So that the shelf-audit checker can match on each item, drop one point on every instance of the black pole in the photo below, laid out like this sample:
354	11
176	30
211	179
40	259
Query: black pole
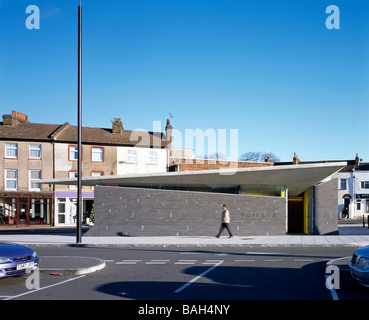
79	188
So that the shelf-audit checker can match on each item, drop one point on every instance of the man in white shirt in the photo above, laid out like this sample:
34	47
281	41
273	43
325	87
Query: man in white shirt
226	219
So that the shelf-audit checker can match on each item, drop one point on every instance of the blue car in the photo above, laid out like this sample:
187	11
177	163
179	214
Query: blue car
16	259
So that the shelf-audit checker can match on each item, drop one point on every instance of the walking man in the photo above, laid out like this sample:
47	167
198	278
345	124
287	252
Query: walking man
226	219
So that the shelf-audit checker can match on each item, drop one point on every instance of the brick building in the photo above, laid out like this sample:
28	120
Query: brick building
33	151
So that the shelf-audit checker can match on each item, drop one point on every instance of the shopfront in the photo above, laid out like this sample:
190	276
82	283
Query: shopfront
66	207
26	208
362	204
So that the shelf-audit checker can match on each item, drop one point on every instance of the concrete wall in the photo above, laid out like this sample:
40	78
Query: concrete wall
151	212
326	221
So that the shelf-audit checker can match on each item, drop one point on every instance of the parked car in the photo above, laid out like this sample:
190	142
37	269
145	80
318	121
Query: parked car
16	259
359	265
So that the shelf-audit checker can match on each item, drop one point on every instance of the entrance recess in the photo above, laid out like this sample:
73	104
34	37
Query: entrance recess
296	215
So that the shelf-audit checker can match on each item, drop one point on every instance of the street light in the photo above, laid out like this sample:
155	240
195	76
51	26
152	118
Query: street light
79	134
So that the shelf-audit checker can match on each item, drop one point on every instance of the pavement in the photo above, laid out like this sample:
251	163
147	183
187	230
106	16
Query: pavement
351	234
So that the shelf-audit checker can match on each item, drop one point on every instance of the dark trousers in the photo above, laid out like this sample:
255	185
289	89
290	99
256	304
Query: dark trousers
222	226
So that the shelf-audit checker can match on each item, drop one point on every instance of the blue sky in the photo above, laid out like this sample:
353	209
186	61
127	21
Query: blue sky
270	69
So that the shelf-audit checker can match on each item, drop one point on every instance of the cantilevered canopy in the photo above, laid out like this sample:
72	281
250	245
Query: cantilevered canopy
297	178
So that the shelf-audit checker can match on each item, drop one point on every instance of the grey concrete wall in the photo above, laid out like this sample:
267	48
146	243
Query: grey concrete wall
326	219
151	212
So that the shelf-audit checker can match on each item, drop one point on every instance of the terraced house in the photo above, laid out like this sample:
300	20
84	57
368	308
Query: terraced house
32	151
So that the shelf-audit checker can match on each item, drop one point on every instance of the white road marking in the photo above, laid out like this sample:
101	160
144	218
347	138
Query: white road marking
244	260
273	260
199	276
303	260
36	290
157	262
185	262
128	261
190	252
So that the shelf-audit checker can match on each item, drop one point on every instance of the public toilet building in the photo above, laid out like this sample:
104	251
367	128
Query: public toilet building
268	200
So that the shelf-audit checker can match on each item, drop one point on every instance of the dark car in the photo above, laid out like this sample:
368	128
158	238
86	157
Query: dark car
16	259
359	265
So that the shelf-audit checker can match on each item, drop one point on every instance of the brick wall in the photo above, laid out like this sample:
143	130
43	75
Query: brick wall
151	212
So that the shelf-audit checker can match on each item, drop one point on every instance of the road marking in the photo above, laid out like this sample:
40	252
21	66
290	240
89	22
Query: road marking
185	262
36	290
330	262
157	262
199	276
128	261
244	260
304	260
273	260
190	252
333	290
212	261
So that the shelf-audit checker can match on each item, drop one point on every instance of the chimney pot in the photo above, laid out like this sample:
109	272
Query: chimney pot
118	126
296	159
357	160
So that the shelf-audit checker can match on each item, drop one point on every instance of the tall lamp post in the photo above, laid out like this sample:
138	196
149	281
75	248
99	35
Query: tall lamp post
79	138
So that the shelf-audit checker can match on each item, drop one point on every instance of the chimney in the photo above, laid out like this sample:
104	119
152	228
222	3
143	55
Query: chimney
296	159
357	160
267	160
14	118
118	126
168	131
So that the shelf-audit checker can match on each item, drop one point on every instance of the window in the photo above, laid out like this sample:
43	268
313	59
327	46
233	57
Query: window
73	174
97	174
73	153
97	154
11	179
132	156
11	150
365	184
343	185
358	205
35	151
152	155
34	175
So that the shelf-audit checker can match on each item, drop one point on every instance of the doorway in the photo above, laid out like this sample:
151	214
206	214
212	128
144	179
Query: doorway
23	212
296	215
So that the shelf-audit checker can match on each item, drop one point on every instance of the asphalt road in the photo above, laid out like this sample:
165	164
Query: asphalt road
190	274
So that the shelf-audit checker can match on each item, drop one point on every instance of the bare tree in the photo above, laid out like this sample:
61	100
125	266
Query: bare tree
259	156
216	156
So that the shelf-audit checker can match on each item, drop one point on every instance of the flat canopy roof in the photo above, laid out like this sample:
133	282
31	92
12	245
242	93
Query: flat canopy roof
297	178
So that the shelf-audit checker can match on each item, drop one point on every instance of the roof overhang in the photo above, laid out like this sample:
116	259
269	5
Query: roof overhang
297	178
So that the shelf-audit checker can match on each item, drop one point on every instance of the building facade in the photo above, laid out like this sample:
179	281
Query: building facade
353	190
33	151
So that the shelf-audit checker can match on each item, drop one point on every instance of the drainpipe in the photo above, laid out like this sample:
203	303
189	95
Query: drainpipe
353	193
286	196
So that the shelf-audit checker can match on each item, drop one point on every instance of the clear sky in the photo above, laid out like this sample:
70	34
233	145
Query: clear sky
270	69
